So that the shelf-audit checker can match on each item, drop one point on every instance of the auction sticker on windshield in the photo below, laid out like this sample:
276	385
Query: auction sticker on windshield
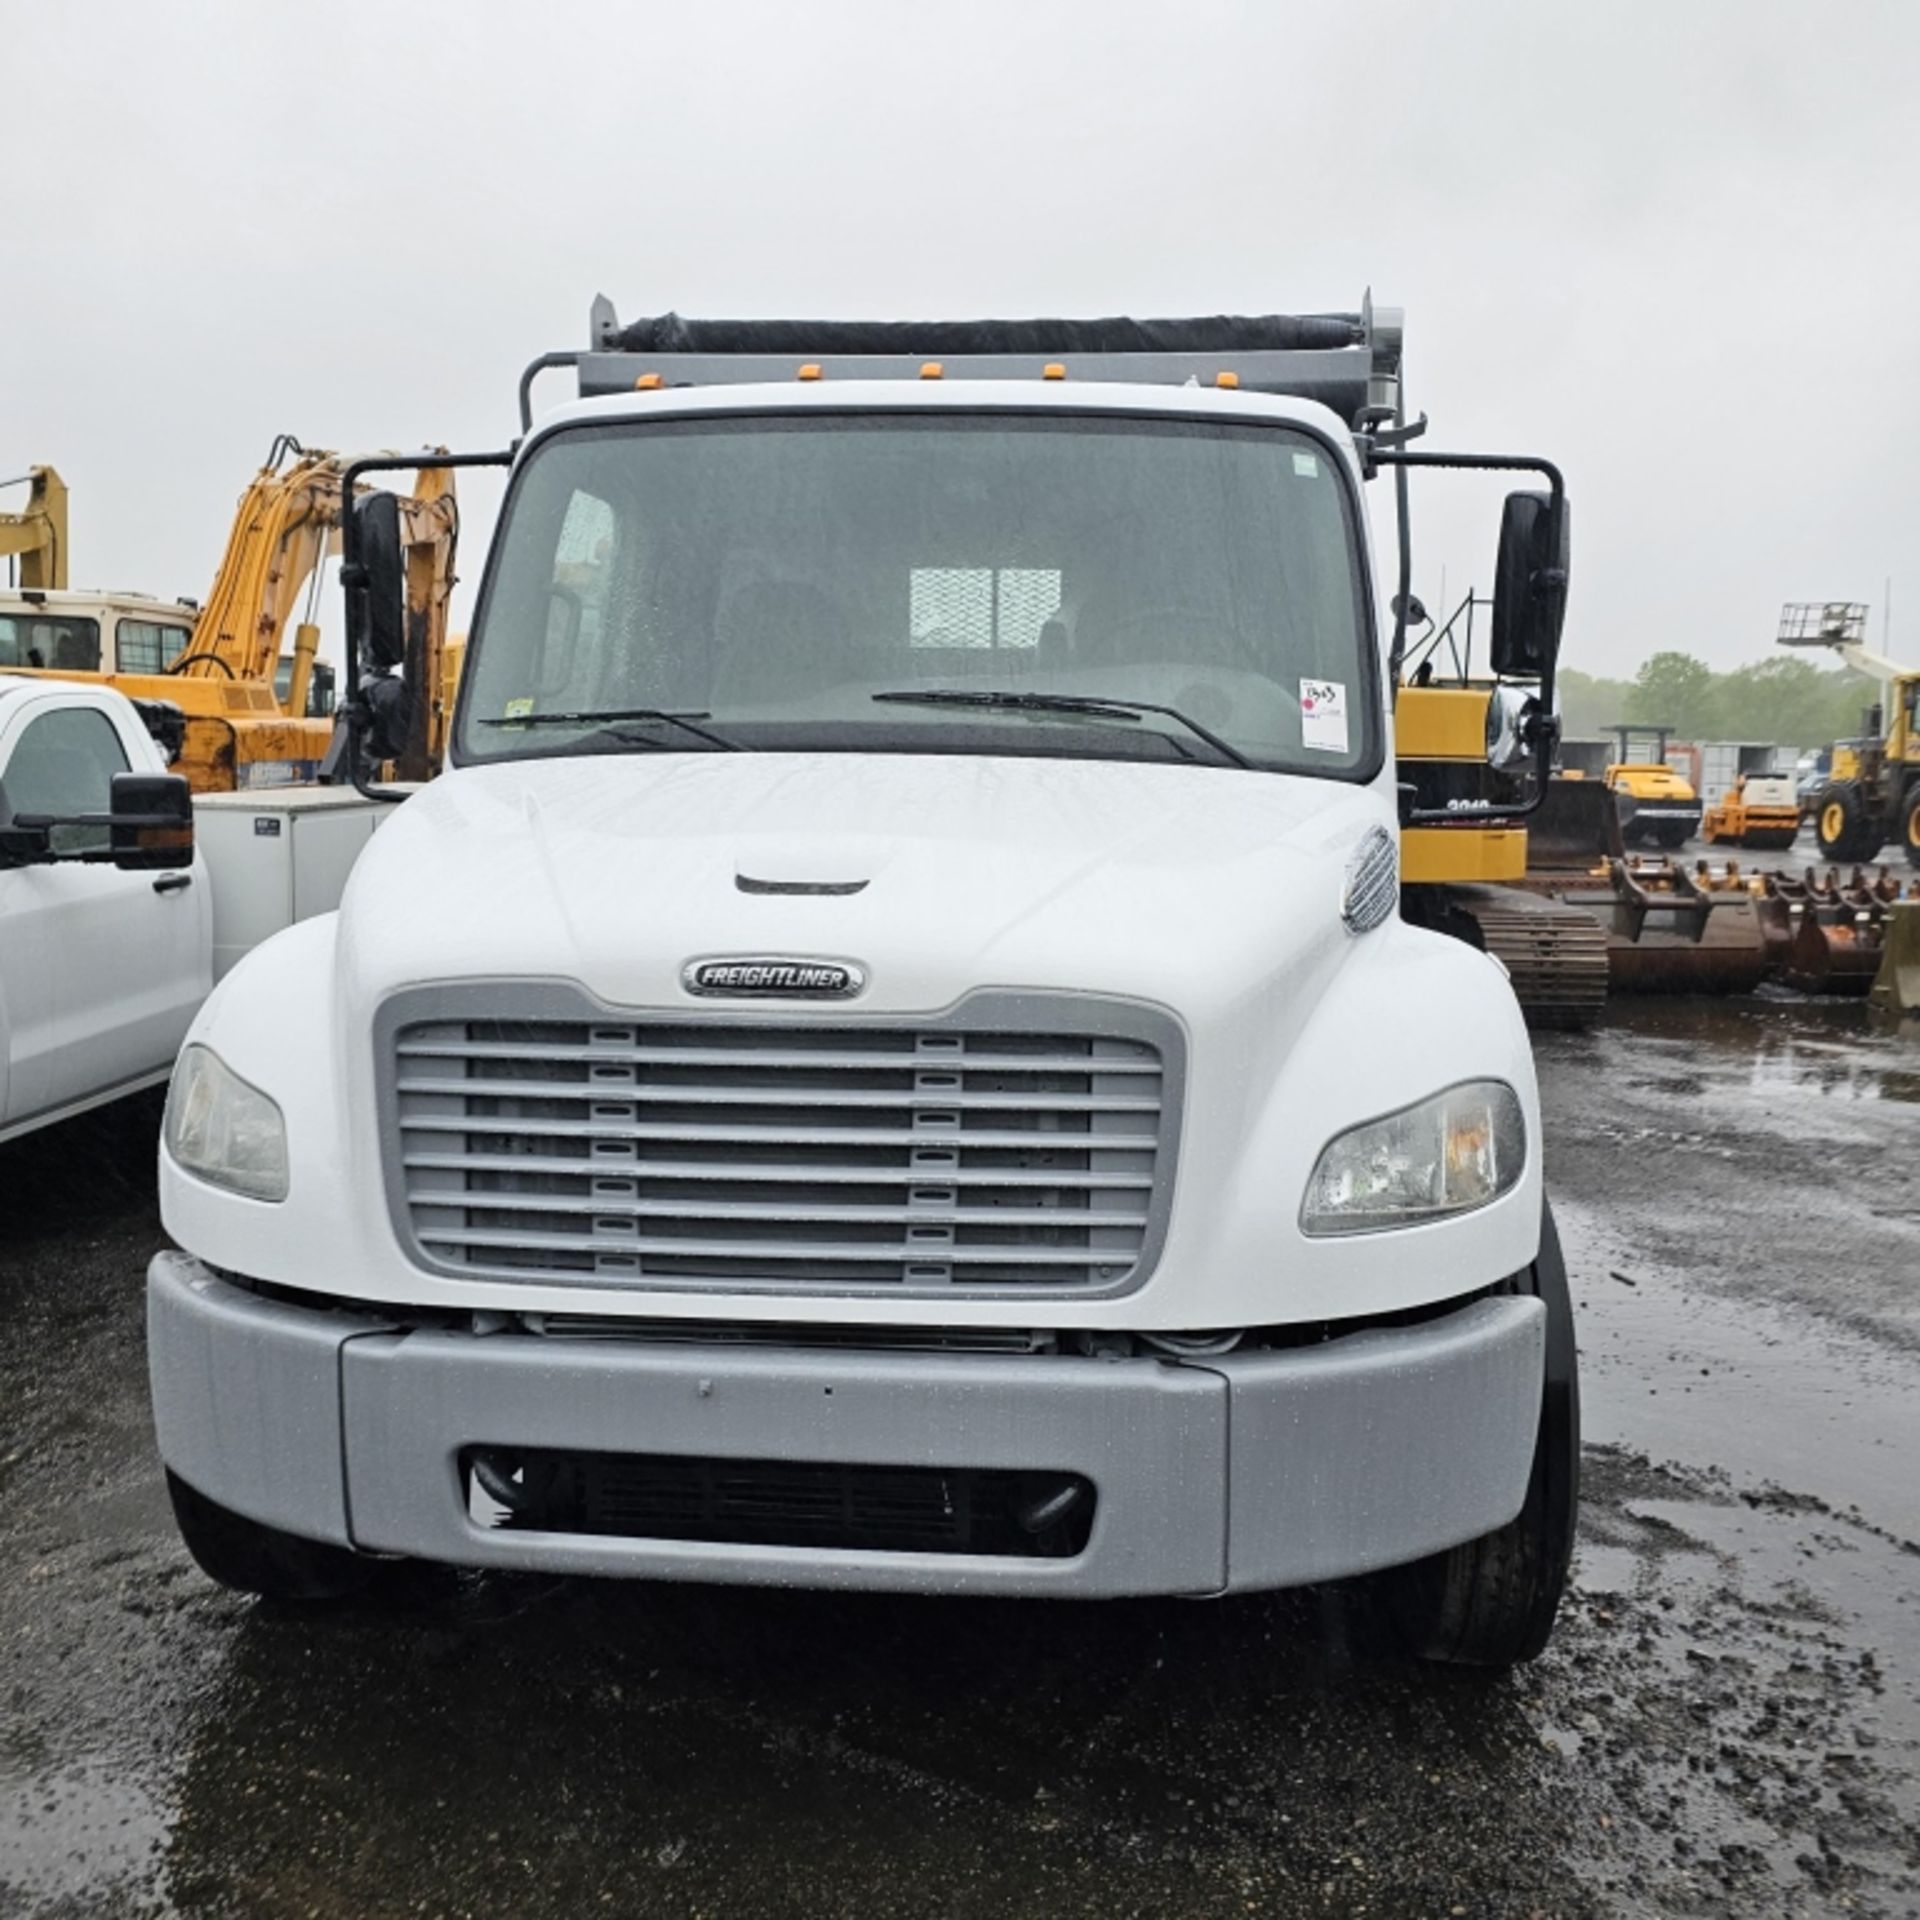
1323	715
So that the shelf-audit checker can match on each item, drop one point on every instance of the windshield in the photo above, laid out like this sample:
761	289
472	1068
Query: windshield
774	578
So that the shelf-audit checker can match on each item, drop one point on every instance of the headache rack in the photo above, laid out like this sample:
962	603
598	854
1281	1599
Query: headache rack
1348	362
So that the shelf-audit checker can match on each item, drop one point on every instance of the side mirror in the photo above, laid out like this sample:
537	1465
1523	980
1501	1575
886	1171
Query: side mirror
151	825
321	691
1511	713
1529	585
376	584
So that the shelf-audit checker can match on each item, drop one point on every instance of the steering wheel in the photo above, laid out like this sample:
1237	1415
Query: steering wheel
1171	616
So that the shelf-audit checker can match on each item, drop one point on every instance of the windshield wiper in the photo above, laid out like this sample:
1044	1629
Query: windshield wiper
684	721
1099	705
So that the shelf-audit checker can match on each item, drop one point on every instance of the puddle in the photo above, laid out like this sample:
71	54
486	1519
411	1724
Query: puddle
1768	1045
1679	1374
84	1833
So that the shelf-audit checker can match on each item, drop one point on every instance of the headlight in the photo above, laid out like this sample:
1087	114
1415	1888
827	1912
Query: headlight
1447	1155
228	1133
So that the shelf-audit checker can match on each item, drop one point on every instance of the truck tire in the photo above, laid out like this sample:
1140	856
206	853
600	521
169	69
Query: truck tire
1845	823
253	1558
1910	824
1671	834
1491	1602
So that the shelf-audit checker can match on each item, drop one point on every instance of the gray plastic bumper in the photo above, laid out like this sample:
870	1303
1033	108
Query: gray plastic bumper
1263	1469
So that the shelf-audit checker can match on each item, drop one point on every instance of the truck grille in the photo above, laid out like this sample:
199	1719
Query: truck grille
790	1158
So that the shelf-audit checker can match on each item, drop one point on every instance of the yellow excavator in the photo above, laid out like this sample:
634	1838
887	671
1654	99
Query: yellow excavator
1480	815
239	671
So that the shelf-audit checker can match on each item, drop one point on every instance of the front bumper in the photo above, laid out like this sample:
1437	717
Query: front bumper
1251	1470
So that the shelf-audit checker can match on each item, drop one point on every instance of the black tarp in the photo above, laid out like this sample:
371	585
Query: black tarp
1211	333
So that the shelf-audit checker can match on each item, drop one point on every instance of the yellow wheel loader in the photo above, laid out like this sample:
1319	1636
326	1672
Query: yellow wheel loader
1872	791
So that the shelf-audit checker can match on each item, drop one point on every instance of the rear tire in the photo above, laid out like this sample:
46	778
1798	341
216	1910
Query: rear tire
1491	1602
1673	835
1910	824
253	1558
1845	824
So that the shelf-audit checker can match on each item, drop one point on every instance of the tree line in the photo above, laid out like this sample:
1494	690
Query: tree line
1787	700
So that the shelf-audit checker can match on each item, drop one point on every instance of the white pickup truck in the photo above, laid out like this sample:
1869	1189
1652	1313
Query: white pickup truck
101	969
891	1058
104	965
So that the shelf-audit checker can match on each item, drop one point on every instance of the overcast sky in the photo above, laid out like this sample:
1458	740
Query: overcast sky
1674	246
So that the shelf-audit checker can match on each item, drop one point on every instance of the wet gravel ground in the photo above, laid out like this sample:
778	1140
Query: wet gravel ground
1727	1723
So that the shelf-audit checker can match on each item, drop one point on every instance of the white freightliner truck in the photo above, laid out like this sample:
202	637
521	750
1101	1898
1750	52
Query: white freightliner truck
892	1059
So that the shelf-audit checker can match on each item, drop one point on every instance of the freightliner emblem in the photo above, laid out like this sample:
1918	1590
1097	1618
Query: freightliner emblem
759	977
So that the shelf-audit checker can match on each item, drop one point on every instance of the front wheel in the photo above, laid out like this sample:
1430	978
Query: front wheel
253	1558
1845	825
1491	1602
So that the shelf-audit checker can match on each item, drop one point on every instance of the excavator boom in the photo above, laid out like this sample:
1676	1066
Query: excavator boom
36	538
240	729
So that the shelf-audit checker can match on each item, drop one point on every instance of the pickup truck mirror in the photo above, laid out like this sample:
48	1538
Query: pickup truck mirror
376	585
151	824
149	827
1530	585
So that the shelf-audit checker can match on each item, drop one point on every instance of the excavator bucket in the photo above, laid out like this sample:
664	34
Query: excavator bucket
1575	829
1896	987
1836	931
1672	931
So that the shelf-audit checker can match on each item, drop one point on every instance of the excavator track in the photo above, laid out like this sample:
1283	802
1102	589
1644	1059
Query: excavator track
1556	956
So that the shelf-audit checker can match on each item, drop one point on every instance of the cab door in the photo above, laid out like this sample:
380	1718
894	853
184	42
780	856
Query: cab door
104	969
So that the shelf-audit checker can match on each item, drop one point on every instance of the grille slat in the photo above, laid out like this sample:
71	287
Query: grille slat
898	1059
748	1211
602	1128
747	1252
628	1152
639	1091
771	1172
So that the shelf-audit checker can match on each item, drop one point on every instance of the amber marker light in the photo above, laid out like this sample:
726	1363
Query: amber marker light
1226	379
648	381
931	370
811	371
1054	370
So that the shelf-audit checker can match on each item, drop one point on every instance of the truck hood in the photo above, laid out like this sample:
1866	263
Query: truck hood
1178	884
